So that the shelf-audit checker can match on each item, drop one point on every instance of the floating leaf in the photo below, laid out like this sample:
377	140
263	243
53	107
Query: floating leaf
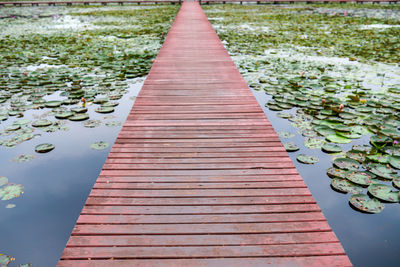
63	114
91	123
364	203
346	164
113	123
103	109
41	123
23	158
53	104
314	143
306	159
345	186
5	260
396	182
334	138
11	191
99	145
286	135
331	148
79	117
361	178
395	161
384	192
336	173
382	171
44	148
291	147
79	109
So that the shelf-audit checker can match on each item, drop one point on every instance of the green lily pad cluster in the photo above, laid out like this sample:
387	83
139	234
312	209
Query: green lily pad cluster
8	190
63	75
5	260
333	93
99	145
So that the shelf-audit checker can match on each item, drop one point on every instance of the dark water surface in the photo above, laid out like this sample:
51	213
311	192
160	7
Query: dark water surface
56	185
368	239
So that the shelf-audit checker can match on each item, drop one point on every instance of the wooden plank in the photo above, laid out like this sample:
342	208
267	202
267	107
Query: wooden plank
315	261
299	250
197	201
231	185
227	209
205	240
220	228
198	176
196	218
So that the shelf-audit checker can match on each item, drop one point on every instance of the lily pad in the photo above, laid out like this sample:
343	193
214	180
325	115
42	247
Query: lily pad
363	203
334	138
356	155
336	173
396	182
79	117
346	186
91	123
306	159
392	150
286	135
380	158
361	178
5	260
382	171
395	161
380	139
314	143
44	148
53	104
11	191
63	115
23	158
331	148
41	123
79	109
100	145
346	164
291	147
113	123
104	109
384	192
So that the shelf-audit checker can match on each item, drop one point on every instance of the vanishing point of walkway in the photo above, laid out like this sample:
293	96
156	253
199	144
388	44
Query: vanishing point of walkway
197	176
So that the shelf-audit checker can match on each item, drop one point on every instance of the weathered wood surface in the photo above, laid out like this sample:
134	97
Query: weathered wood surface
198	176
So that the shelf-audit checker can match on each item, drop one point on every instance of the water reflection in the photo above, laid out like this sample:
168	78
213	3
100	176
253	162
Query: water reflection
56	185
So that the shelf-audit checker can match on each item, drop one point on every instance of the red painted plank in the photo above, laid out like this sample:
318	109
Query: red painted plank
197	201
299	250
220	228
198	176
205	240
315	261
195	218
199	179
169	186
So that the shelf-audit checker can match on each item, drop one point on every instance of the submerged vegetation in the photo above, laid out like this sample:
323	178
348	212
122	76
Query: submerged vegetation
333	72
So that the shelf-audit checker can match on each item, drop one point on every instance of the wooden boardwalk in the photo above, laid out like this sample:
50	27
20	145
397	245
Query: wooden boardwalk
197	176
